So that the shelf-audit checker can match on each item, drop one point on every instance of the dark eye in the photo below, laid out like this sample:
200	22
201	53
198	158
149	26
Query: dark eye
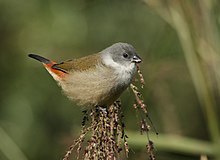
125	55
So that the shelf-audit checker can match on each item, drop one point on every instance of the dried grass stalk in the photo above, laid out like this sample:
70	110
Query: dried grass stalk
106	130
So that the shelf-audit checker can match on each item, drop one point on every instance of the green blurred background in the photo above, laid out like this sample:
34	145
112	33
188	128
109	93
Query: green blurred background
177	40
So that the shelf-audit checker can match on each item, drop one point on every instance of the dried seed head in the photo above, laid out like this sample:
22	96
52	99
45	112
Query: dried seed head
107	130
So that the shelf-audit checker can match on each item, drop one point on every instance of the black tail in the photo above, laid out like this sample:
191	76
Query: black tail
39	58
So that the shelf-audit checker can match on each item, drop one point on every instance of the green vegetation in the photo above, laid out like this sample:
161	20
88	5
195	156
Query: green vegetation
177	40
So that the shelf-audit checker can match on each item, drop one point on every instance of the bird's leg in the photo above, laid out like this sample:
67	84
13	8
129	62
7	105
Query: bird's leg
103	109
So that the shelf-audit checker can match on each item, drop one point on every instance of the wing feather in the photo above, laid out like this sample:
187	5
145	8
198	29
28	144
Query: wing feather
79	64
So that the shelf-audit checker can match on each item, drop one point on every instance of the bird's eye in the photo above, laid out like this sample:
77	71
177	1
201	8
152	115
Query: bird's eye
125	55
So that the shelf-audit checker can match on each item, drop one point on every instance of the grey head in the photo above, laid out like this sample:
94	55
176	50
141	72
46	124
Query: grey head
122	53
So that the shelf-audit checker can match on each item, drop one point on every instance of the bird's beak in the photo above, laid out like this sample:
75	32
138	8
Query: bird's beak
136	59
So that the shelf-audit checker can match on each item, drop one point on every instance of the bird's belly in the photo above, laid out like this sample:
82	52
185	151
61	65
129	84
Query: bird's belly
101	87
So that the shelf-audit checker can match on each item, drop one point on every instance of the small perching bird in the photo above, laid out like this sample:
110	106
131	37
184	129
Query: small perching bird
97	79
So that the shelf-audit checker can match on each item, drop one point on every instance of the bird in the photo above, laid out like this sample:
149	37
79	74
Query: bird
97	79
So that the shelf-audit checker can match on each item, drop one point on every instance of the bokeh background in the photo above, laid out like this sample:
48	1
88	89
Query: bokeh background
177	40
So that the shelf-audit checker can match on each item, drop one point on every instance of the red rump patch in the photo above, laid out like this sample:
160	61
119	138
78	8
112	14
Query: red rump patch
57	72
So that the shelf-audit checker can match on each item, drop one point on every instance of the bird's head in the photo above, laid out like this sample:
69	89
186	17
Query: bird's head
122	54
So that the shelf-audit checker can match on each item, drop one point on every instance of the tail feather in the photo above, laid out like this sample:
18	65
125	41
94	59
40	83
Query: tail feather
39	58
48	64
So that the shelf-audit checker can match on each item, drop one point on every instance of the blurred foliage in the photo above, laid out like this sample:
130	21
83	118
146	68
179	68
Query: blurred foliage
179	44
